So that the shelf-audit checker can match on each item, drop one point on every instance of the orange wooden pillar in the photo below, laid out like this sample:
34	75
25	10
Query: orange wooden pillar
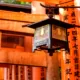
36	73
25	72
53	67
65	56
73	70
37	9
73	43
13	72
9	72
77	3
77	65
5	74
28	72
28	44
74	52
65	65
41	73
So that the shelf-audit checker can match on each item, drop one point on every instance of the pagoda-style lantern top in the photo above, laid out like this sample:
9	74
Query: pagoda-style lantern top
50	34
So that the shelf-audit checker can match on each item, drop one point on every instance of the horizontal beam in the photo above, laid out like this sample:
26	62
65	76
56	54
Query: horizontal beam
15	7
22	58
21	16
15	20
16	33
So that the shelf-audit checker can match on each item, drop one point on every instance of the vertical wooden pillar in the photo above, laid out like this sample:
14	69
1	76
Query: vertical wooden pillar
74	53
28	72
39	73
21	73
73	18
6	73
37	9
10	72
36	73
43	73
13	72
77	65
29	76
28	43
77	12
73	44
25	72
65	65
53	67
16	70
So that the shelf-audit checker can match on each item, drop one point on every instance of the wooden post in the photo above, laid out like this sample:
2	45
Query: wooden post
25	72
36	73
53	67
13	72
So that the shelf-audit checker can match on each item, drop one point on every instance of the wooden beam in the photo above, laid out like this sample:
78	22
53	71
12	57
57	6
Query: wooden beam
15	20
22	58
15	7
21	16
16	33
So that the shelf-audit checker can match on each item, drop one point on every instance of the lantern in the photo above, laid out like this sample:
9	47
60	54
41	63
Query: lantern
50	34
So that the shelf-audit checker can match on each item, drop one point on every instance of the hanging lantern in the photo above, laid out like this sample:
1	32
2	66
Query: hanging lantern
50	34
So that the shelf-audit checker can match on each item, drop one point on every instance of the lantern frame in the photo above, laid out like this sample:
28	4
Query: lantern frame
52	21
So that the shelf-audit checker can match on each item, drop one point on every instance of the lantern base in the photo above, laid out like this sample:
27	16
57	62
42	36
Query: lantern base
52	50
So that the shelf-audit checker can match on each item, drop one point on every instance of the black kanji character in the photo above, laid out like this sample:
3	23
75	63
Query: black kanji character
76	60
74	38
68	61
76	73
73	21
75	46
76	52
74	32
73	14
76	66
68	71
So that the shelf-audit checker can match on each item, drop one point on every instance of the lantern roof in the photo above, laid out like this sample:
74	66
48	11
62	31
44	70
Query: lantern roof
50	21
